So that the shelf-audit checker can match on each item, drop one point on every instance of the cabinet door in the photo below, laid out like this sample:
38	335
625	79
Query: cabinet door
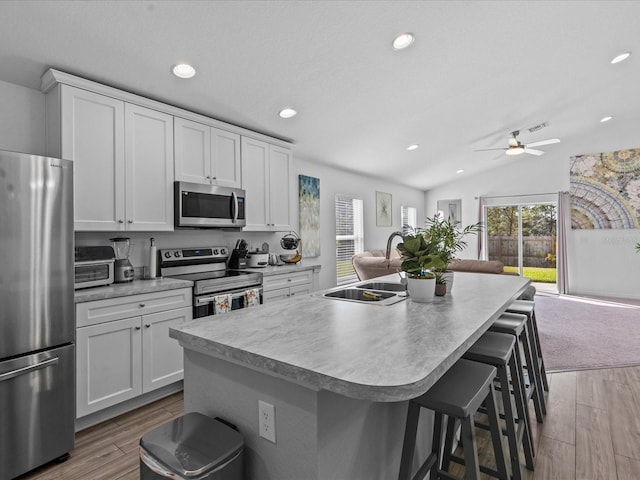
255	180
109	362
279	188
225	158
162	357
192	151
149	169
92	130
275	295
301	289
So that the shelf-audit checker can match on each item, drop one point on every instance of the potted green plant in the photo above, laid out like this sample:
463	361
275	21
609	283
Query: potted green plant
419	258
441	283
449	238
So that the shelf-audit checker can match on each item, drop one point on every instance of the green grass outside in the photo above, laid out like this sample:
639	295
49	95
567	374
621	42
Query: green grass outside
536	274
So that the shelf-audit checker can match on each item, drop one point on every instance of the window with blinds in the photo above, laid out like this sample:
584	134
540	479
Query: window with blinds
349	235
409	216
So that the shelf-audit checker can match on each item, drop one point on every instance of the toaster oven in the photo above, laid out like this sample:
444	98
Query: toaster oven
93	266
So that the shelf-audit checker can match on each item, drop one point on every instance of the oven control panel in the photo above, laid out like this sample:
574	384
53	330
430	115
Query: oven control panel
209	253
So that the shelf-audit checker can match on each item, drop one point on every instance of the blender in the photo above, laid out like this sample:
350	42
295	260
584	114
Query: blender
123	270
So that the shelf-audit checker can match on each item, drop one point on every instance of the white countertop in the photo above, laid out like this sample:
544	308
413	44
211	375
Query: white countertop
132	288
364	351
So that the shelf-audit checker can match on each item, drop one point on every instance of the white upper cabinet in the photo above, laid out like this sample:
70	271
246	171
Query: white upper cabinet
205	154
266	171
148	169
92	130
123	161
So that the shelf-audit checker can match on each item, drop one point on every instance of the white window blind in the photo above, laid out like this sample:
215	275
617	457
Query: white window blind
409	216
349	235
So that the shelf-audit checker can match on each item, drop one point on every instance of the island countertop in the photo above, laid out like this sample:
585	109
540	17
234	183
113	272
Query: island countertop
363	351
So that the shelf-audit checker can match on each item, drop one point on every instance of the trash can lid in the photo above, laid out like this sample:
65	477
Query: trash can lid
192	444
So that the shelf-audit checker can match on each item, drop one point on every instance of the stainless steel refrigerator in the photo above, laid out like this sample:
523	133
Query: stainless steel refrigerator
37	326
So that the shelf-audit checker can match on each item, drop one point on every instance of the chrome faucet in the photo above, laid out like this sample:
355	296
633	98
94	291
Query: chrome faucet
394	234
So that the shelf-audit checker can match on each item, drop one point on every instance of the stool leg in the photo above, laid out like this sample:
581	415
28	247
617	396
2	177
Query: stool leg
436	443
471	465
510	422
523	413
496	434
534	375
409	445
448	444
540	364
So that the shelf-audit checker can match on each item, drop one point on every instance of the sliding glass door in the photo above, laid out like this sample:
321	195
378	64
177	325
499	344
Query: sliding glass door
523	237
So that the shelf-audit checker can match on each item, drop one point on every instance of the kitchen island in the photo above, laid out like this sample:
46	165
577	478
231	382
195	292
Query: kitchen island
339	373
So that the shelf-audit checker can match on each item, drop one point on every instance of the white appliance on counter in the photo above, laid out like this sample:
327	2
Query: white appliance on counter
213	283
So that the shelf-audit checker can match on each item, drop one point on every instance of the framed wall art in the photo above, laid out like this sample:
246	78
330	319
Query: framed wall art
383	209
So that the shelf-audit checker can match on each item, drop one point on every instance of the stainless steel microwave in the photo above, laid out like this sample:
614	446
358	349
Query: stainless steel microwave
208	206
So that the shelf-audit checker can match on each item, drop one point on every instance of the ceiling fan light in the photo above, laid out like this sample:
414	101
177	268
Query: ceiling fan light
514	150
620	58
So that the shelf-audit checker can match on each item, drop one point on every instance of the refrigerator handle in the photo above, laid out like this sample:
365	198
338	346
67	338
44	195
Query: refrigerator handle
27	369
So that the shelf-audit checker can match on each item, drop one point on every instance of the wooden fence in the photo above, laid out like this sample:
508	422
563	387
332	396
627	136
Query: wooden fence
537	251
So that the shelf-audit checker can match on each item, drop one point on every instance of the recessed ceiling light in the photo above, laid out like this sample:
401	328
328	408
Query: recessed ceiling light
605	119
621	57
184	70
415	146
460	171
287	113
403	41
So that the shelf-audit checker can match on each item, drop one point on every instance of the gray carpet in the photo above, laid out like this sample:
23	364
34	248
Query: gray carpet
578	333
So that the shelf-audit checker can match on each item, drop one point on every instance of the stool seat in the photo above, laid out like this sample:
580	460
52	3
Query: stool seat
492	348
521	306
509	323
461	391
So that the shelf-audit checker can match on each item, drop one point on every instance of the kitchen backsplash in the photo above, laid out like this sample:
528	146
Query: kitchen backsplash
184	238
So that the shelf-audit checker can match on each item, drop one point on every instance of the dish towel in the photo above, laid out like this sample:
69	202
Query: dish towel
222	303
252	298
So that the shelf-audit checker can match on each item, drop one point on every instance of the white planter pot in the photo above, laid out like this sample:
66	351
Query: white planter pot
421	289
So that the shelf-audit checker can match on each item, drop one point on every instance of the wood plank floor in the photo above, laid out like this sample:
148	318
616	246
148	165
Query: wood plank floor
592	431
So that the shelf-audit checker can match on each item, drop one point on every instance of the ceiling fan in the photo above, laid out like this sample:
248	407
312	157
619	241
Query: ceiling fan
516	147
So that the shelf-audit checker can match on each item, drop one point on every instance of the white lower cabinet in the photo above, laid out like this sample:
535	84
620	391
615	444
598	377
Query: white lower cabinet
286	285
120	358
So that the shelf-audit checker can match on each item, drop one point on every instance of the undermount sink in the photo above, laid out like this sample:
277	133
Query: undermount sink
361	295
386	286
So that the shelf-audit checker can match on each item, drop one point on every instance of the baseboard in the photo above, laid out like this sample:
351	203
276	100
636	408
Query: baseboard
124	407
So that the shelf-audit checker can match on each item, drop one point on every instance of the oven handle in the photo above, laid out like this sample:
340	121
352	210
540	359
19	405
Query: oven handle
203	300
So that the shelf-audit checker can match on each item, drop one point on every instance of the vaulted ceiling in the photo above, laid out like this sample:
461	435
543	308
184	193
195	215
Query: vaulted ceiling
476	71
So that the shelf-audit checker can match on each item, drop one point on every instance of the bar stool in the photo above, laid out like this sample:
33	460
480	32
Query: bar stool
458	394
497	349
517	325
527	307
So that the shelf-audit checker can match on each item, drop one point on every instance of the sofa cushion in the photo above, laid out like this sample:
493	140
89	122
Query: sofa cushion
374	264
477	266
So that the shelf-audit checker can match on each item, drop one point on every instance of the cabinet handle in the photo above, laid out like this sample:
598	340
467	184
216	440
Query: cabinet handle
288	279
120	221
142	305
138	328
214	178
147	325
129	221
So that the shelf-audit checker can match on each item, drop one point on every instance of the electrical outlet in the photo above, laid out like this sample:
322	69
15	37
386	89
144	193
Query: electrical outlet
267	421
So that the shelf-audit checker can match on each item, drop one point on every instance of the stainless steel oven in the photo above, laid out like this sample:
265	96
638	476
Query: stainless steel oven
216	289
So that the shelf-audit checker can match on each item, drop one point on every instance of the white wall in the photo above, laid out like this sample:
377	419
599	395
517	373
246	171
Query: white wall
601	262
21	119
332	182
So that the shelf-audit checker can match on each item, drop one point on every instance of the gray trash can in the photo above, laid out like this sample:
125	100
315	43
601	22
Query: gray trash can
194	447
